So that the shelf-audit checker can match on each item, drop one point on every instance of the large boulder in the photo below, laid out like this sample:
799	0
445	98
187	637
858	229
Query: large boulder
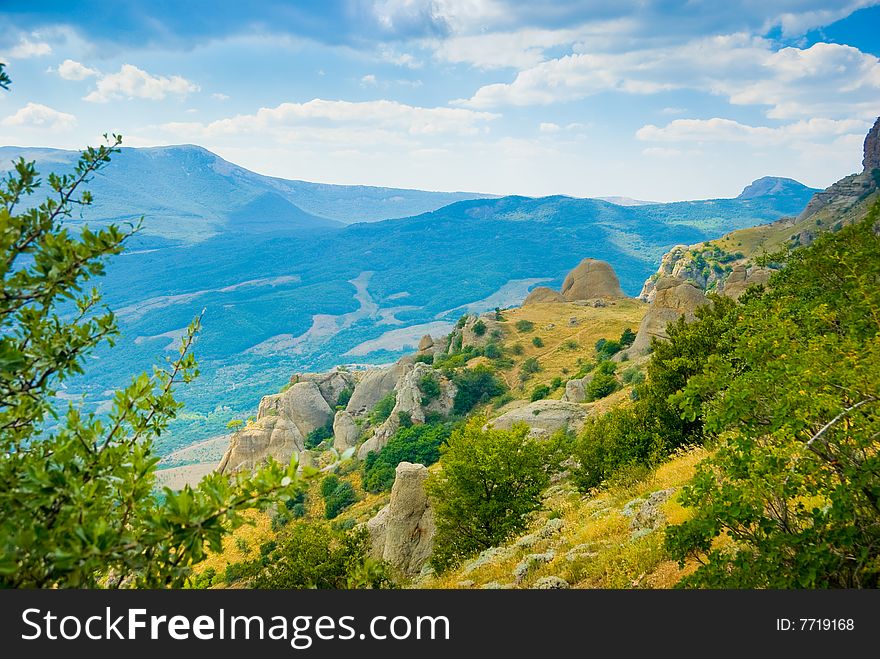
591	279
544	417
576	390
411	400
345	431
542	294
331	384
306	407
402	533
741	277
373	387
269	437
673	298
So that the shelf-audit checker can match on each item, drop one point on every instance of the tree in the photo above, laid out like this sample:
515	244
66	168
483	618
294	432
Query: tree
417	444
76	489
793	490
488	482
474	386
312	555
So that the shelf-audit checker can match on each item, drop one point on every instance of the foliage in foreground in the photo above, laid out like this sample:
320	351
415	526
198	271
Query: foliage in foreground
312	555
791	498
489	481
76	490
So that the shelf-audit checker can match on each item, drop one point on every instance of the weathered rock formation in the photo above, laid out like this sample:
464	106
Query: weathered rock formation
543	294
576	390
345	431
673	297
544	417
373	387
411	400
741	277
269	437
871	159
591	279
426	343
402	533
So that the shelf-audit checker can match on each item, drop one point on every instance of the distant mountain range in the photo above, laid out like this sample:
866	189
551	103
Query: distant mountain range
290	283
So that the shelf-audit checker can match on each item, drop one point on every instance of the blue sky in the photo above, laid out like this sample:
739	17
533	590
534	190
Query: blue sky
657	100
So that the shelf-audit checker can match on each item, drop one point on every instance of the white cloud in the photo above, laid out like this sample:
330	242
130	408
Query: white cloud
386	54
72	70
217	96
662	152
828	80
368	80
27	49
727	130
549	127
520	49
35	115
131	82
341	122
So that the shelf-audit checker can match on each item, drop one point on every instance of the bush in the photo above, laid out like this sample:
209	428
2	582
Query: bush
524	325
318	435
517	349
602	384
418	444
633	376
540	391
338	495
426	358
538	342
492	351
311	555
528	368
383	409
344	397
570	344
475	386
430	388
556	383
607	348
490	481
479	328
627	338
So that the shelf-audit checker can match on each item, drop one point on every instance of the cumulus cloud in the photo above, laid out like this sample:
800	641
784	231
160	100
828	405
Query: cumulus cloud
341	122
549	127
823	80
218	96
727	130
131	82
72	70
26	49
35	115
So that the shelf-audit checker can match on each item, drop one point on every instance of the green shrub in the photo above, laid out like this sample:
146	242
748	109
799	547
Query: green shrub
383	409
633	376
430	388
475	386
490	481
517	349
524	325
607	348
602	384
419	444
344	397
556	383
318	435
538	342
496	334
479	328
540	391
570	344
627	338
337	494
492	351
312	555
426	358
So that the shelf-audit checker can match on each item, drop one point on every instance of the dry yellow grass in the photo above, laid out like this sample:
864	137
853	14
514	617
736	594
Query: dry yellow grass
596	526
564	343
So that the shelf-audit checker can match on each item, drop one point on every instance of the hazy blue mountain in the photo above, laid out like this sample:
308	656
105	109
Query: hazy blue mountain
188	193
287	290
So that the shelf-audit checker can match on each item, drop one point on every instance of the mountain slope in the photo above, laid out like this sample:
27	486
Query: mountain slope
187	192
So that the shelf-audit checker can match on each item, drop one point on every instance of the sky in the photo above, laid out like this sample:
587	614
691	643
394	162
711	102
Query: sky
652	99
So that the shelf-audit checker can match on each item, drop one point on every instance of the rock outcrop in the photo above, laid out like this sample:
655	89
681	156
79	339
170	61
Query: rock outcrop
673	297
576	390
269	437
871	159
331	384
412	401
591	279
345	431
426	343
544	417
741	277
402	533
373	387
542	294
306	407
